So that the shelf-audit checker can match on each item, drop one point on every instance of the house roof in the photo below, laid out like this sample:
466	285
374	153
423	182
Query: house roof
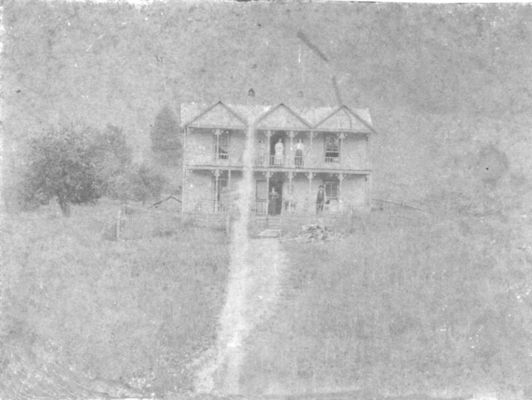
219	114
279	116
343	118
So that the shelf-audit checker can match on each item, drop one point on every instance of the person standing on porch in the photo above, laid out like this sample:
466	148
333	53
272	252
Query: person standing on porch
279	152
299	153
320	200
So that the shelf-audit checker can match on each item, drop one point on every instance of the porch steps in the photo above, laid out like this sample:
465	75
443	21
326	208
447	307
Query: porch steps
272	227
270	233
274	223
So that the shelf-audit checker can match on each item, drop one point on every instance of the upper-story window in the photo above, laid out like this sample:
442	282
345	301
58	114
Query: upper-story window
221	145
332	149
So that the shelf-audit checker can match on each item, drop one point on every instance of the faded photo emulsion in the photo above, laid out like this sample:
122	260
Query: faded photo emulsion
266	200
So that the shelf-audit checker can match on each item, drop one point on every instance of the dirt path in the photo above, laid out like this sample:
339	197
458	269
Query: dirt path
254	286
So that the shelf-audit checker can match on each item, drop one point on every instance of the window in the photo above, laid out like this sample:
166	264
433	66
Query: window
221	146
332	149
331	190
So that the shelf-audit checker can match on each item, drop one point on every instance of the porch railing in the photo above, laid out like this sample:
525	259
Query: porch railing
278	161
261	207
332	160
271	161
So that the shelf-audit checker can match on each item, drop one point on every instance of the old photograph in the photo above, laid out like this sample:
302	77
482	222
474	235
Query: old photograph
265	200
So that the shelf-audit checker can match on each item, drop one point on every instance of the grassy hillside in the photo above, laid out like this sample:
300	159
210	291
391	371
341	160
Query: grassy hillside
77	307
402	305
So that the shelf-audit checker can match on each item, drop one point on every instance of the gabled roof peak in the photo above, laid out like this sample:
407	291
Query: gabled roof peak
279	116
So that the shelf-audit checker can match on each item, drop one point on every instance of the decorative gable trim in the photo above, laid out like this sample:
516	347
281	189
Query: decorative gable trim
348	111
303	123
241	120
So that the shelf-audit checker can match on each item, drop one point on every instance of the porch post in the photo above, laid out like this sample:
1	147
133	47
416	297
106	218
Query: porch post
340	180
341	145
229	192
268	174
291	135
217	133
216	180
311	135
290	190
310	176
268	147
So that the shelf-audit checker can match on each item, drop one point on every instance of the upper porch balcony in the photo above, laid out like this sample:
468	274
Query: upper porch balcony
322	138
274	162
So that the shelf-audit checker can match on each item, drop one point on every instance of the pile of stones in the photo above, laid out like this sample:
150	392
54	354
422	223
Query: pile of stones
315	233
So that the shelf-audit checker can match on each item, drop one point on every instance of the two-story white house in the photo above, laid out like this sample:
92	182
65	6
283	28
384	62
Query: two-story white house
295	151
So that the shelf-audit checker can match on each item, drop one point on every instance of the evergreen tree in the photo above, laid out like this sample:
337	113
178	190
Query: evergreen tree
165	140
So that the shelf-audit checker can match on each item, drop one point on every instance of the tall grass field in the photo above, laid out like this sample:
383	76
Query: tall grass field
393	305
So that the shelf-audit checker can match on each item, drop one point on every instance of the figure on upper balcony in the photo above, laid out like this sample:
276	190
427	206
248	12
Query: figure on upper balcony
279	152
298	160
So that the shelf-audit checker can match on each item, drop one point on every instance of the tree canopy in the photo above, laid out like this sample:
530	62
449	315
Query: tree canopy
165	140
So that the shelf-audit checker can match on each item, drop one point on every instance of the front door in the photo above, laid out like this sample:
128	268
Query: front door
275	197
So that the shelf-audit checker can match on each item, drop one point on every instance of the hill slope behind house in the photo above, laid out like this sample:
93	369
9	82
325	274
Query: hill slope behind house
434	77
78	309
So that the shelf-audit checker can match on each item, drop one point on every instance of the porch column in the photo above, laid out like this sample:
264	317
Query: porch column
340	180
268	147
290	190
229	204
216	181
310	175
291	135
311	135
217	133
341	138
268	174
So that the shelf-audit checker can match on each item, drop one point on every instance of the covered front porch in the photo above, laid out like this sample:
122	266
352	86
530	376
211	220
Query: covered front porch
296	193
283	192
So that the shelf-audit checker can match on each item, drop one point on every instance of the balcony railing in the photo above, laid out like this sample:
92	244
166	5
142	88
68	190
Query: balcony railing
272	161
259	207
278	161
332	160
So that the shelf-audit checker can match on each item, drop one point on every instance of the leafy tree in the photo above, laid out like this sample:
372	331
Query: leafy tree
74	165
61	165
165	141
112	155
139	183
146	184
